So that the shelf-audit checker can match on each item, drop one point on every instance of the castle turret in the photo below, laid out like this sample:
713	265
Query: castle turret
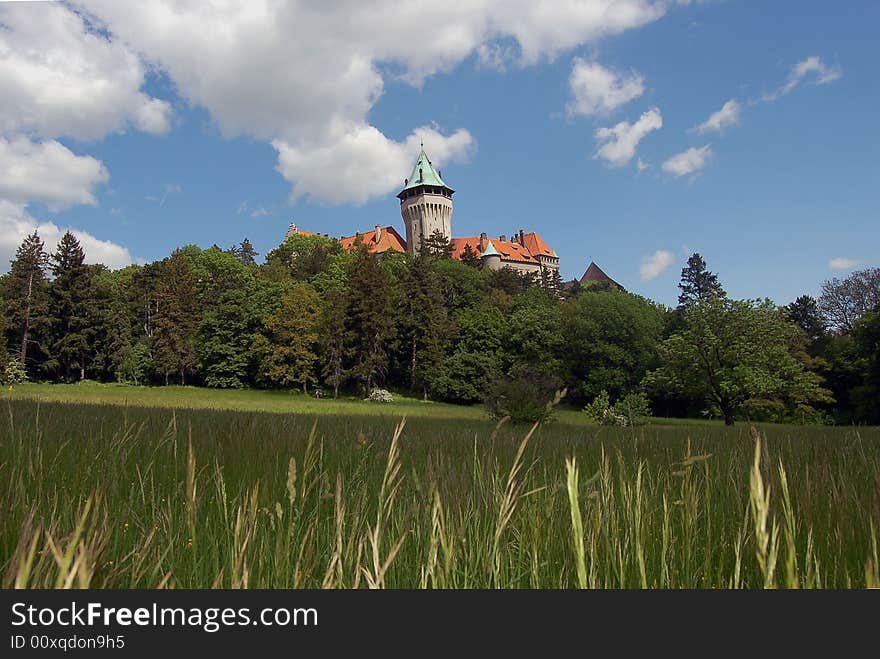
425	204
490	257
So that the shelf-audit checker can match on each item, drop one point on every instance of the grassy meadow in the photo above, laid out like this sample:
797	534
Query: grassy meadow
112	488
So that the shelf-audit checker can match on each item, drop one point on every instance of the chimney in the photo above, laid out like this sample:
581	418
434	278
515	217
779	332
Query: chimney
378	234
502	238
522	239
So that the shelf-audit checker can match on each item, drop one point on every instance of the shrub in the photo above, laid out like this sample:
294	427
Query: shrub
524	397
380	396
628	411
14	373
634	406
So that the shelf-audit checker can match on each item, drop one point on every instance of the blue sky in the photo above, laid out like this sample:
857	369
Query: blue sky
239	120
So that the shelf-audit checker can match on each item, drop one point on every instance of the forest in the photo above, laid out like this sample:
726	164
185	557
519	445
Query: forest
315	318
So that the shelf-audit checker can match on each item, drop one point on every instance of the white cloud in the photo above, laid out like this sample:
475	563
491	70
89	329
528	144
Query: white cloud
641	165
618	144
597	90
16	223
305	76
728	115
688	162
811	69
59	78
655	264
843	263
47	172
365	160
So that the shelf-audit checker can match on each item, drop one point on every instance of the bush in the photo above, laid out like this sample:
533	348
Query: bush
525	398
14	373
628	411
380	396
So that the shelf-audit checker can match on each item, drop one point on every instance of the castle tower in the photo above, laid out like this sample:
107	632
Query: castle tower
425	204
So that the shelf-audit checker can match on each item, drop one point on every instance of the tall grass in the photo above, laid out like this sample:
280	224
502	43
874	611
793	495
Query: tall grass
113	497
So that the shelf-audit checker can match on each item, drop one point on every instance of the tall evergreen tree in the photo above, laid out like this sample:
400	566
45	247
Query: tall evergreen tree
25	292
370	328
73	309
425	320
437	245
245	253
469	257
176	320
804	312
697	283
333	339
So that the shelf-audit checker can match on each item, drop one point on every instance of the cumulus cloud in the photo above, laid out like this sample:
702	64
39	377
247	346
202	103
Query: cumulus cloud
619	143
60	78
811	69
597	90
728	115
655	264
688	162
843	263
47	172
16	223
368	162
304	76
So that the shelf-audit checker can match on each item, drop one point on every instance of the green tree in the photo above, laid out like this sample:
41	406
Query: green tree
425	321
733	352
4	328
469	257
610	341
301	258
286	345
437	245
73	308
25	291
866	396
177	317
535	331
226	337
370	322
333	339
804	312
697	283
245	253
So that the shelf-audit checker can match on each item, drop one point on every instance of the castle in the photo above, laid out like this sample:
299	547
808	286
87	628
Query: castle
426	207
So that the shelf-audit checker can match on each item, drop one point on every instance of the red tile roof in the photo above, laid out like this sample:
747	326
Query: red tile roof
510	250
389	239
536	245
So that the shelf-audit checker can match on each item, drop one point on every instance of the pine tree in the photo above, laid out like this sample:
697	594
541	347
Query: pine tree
469	257
245	253
333	339
426	323
369	324
437	245
697	283
25	293
73	309
176	320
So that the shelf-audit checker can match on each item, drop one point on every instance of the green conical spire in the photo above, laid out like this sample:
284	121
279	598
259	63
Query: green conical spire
423	173
490	250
